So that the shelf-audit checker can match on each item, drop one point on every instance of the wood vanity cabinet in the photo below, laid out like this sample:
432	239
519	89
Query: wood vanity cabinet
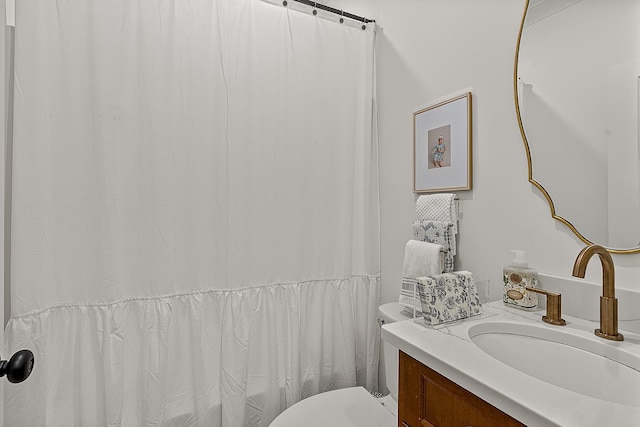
427	399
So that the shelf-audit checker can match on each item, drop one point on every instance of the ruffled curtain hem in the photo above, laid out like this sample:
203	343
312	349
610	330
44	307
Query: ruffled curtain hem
213	357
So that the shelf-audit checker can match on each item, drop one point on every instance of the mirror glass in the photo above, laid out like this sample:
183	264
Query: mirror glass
578	94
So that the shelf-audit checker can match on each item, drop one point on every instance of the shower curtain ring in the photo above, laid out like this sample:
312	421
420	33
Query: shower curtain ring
364	23
342	16
315	12
284	3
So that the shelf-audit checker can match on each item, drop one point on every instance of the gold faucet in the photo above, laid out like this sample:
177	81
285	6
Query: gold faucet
608	302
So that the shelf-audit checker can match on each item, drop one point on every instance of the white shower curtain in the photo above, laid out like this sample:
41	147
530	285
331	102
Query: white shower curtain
194	212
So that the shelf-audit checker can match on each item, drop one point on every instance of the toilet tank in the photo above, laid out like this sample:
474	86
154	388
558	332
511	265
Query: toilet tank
388	368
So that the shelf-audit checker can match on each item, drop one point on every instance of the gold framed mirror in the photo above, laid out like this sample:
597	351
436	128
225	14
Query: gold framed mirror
577	95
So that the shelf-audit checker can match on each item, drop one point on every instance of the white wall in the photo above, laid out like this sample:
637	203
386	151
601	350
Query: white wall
429	50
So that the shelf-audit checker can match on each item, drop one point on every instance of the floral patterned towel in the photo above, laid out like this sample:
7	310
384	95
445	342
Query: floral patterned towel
449	296
440	233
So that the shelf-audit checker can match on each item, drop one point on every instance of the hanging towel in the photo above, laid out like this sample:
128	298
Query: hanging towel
420	259
438	207
440	233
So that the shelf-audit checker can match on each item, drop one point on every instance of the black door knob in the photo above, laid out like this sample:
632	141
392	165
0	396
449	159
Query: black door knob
19	367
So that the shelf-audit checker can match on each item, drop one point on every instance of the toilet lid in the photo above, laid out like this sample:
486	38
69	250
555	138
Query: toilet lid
347	407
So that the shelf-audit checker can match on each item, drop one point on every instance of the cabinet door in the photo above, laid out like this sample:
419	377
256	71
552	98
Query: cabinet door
428	399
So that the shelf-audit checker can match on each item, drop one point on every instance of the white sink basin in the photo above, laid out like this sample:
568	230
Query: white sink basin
587	365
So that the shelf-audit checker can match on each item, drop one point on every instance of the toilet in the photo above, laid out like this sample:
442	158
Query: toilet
353	406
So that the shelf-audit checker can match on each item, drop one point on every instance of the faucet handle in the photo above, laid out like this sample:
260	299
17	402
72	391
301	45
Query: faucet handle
554	306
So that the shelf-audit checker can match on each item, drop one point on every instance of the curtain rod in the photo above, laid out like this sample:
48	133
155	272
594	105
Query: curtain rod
333	10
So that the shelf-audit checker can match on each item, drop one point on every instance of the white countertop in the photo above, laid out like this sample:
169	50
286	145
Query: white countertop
448	349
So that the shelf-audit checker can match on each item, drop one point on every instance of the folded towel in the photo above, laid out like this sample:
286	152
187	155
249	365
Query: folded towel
438	207
422	259
409	298
448	297
440	233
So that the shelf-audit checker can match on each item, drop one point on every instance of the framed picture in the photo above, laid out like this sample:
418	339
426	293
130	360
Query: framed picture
442	146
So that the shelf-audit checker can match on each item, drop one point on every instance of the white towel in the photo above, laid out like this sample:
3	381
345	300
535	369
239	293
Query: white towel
409	297
438	207
440	233
422	259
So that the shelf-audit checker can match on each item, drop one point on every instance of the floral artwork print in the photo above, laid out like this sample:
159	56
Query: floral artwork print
438	147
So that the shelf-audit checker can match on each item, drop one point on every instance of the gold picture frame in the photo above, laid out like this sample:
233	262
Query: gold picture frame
442	159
